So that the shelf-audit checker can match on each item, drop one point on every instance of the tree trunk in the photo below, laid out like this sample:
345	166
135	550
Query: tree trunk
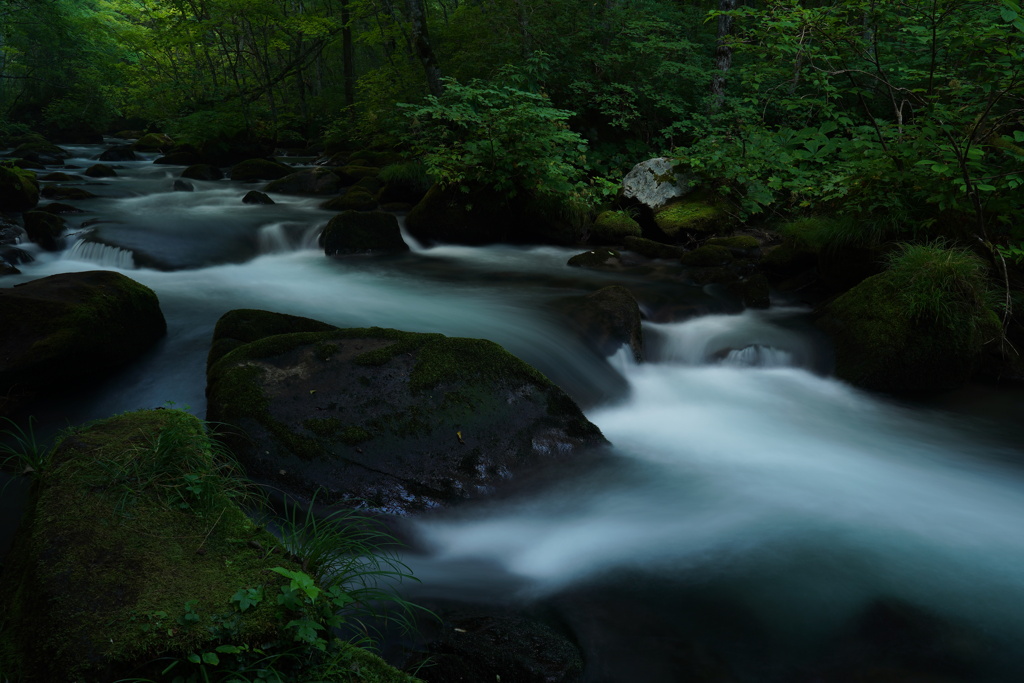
723	54
421	43
347	55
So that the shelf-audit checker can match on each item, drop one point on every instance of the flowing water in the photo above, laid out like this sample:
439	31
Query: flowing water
754	516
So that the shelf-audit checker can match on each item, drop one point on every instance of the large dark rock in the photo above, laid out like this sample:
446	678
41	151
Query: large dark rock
100	171
257	197
18	192
608	319
397	421
202	172
61	193
64	329
311	181
355	199
119	153
153	142
911	329
362	232
180	158
41	152
133	554
259	169
45	229
487	644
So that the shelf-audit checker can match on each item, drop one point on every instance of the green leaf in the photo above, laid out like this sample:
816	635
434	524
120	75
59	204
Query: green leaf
940	168
211	658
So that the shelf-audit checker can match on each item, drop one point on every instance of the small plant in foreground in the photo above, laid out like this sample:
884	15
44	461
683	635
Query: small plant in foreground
20	450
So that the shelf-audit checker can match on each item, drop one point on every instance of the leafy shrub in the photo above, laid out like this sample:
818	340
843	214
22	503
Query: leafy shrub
482	134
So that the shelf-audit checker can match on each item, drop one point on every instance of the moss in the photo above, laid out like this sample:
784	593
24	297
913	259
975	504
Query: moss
611	227
597	258
689	216
17	190
707	256
356	199
259	169
95	583
736	242
651	248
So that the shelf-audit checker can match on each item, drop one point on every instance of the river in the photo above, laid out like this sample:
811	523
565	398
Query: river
753	509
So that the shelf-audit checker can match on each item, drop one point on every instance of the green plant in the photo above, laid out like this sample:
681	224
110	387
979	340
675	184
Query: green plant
20	450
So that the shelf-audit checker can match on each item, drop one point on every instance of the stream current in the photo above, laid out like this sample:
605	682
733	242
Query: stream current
751	510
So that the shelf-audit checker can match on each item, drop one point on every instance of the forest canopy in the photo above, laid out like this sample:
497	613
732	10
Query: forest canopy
905	113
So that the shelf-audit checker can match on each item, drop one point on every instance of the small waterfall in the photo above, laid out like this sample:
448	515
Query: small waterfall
103	254
758	356
286	236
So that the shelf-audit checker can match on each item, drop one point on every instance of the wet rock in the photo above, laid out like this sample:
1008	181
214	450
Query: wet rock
59	177
707	256
652	248
44	229
488	644
180	185
608	319
41	152
59	192
355	199
600	259
66	329
181	158
8	268
312	181
153	142
256	197
119	153
398	421
363	232
350	175
18	191
259	169
100	171
59	208
202	172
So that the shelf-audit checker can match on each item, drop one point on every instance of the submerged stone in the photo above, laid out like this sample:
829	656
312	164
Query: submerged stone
396	421
363	232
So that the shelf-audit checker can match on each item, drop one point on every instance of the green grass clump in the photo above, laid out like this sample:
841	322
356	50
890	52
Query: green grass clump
411	173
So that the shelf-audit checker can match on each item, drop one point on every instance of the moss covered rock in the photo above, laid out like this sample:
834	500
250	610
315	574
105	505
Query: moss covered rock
707	256
600	259
41	152
259	169
18	191
202	172
256	197
100	171
153	142
399	421
690	217
310	181
742	244
355	199
920	326
61	193
350	175
612	227
652	248
65	329
115	545
45	229
608	319
119	153
363	232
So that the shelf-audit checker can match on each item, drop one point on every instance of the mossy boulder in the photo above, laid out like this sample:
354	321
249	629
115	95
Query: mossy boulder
45	229
114	546
259	169
350	175
153	142
363	232
202	172
59	176
41	152
753	291
612	227
355	199
18	191
746	245
66	329
310	181
652	248
119	153
398	421
599	259
690	217
707	256
62	193
182	158
256	197
919	326
100	171
608	319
